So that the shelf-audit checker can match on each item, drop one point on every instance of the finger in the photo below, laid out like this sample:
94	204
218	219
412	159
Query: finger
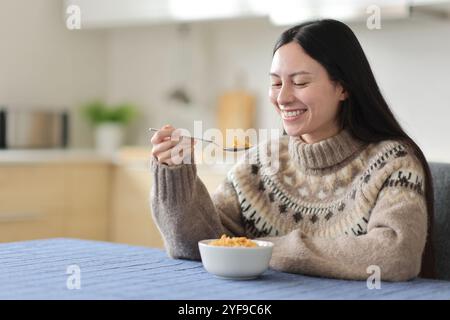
179	134
171	133
163	146
162	135
180	150
168	154
182	157
187	153
170	142
186	144
179	159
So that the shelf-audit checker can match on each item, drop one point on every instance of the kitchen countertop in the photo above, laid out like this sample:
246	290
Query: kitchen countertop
43	269
51	156
133	157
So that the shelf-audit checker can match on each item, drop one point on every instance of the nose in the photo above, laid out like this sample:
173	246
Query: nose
285	96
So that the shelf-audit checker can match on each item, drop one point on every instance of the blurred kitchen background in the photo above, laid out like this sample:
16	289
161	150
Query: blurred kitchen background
171	61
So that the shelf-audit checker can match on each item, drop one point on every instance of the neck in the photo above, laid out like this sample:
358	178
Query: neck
319	136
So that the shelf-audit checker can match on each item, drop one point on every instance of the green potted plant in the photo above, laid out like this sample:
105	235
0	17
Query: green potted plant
109	123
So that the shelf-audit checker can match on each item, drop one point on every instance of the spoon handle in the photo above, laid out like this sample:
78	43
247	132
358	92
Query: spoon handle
196	138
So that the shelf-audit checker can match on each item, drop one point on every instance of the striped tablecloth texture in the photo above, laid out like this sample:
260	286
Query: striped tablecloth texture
49	269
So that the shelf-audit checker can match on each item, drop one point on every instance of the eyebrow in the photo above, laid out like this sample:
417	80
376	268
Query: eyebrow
292	74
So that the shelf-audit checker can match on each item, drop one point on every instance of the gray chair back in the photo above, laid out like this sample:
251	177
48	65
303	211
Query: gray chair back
441	232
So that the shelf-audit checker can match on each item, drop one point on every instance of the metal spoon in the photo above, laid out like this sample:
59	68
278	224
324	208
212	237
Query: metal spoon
231	149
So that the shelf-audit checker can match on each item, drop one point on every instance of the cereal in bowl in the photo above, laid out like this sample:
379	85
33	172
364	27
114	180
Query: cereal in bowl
226	241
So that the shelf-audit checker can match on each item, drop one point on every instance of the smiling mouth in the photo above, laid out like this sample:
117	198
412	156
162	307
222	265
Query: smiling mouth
290	115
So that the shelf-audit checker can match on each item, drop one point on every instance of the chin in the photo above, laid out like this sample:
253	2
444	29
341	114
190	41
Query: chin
292	131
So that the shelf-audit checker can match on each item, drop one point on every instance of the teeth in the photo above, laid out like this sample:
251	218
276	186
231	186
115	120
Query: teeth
294	113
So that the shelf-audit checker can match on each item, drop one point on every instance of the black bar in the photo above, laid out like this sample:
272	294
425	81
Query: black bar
2	129
65	130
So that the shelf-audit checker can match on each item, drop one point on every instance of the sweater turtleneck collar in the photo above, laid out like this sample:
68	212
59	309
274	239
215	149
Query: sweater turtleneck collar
326	153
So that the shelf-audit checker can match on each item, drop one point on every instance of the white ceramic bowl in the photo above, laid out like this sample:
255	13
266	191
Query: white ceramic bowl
239	263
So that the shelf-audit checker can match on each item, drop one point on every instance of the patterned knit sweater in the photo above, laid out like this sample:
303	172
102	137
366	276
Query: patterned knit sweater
332	208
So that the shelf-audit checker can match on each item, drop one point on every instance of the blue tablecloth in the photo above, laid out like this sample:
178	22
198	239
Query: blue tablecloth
38	270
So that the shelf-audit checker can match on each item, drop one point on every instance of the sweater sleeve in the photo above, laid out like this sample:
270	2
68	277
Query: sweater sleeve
185	213
394	242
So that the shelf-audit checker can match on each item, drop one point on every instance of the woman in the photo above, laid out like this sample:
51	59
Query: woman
352	189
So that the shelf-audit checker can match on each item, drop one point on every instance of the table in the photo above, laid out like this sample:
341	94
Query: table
46	269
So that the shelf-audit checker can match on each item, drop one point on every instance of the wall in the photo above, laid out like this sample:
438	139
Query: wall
146	64
409	59
44	64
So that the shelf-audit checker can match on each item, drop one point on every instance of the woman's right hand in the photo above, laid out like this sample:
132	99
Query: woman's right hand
170	149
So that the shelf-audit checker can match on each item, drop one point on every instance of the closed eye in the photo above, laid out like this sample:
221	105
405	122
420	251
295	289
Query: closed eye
276	84
301	84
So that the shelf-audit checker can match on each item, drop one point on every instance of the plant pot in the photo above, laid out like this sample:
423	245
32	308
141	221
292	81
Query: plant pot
108	137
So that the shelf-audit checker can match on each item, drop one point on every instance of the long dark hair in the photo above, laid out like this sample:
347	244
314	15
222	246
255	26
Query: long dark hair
365	112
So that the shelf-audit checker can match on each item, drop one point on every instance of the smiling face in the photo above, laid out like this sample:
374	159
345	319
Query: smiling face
303	94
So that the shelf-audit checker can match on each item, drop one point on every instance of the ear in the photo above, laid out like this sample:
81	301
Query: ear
343	93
